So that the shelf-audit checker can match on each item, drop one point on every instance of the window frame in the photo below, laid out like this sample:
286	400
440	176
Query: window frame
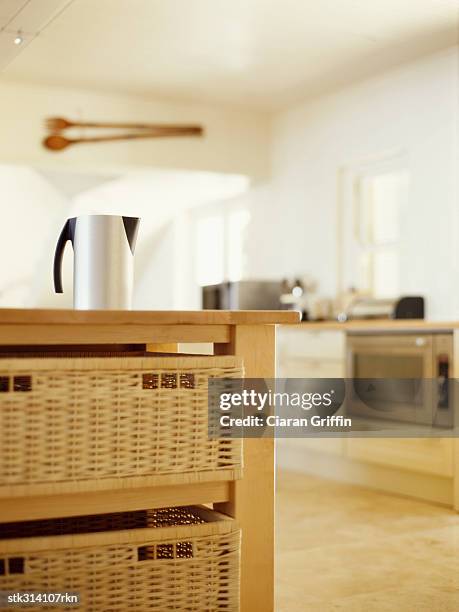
349	248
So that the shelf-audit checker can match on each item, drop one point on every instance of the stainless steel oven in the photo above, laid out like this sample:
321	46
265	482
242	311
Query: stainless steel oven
401	378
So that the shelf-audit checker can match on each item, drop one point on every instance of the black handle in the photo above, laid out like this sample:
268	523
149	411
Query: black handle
67	233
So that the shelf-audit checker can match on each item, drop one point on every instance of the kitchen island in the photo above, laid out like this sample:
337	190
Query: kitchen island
249	335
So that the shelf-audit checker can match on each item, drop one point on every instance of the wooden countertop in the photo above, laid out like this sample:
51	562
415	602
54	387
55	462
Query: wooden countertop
380	326
23	316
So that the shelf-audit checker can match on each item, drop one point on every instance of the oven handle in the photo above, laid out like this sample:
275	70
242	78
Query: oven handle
443	406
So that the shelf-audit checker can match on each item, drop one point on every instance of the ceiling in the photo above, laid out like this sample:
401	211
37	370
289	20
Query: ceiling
264	54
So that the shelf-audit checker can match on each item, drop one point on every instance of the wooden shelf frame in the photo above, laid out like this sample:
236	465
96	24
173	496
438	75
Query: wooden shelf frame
250	500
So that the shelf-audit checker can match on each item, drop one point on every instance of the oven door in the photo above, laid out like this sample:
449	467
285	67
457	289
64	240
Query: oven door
394	370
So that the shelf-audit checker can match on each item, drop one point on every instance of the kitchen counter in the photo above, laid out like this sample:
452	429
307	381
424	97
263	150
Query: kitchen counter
380	326
47	326
27	316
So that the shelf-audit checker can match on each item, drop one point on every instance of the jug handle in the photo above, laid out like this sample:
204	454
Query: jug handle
67	233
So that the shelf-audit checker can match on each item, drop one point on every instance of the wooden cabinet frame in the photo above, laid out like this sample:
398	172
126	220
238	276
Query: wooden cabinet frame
250	500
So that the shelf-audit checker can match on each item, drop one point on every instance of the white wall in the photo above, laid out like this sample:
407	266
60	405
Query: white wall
235	141
413	110
36	205
235	145
29	207
154	282
294	223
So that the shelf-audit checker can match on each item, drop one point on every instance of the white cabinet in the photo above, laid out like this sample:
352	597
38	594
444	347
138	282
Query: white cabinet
299	367
304	353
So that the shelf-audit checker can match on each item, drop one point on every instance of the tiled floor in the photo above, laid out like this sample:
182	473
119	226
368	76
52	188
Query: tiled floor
341	547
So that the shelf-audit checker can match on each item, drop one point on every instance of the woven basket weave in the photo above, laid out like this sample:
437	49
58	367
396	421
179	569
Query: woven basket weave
183	559
65	420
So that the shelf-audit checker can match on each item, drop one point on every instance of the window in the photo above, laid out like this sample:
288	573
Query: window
237	222
210	238
219	244
370	230
379	200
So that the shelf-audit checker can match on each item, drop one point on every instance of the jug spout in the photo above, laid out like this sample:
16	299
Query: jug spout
131	227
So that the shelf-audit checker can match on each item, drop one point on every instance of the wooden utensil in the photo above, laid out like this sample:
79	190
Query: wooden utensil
55	142
58	124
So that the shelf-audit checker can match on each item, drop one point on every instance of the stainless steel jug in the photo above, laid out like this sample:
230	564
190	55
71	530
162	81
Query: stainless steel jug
103	264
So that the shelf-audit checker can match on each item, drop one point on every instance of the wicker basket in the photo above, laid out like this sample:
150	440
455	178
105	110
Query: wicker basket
103	423
182	559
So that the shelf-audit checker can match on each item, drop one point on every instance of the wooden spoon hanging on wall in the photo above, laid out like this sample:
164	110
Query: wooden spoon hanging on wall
56	142
58	124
